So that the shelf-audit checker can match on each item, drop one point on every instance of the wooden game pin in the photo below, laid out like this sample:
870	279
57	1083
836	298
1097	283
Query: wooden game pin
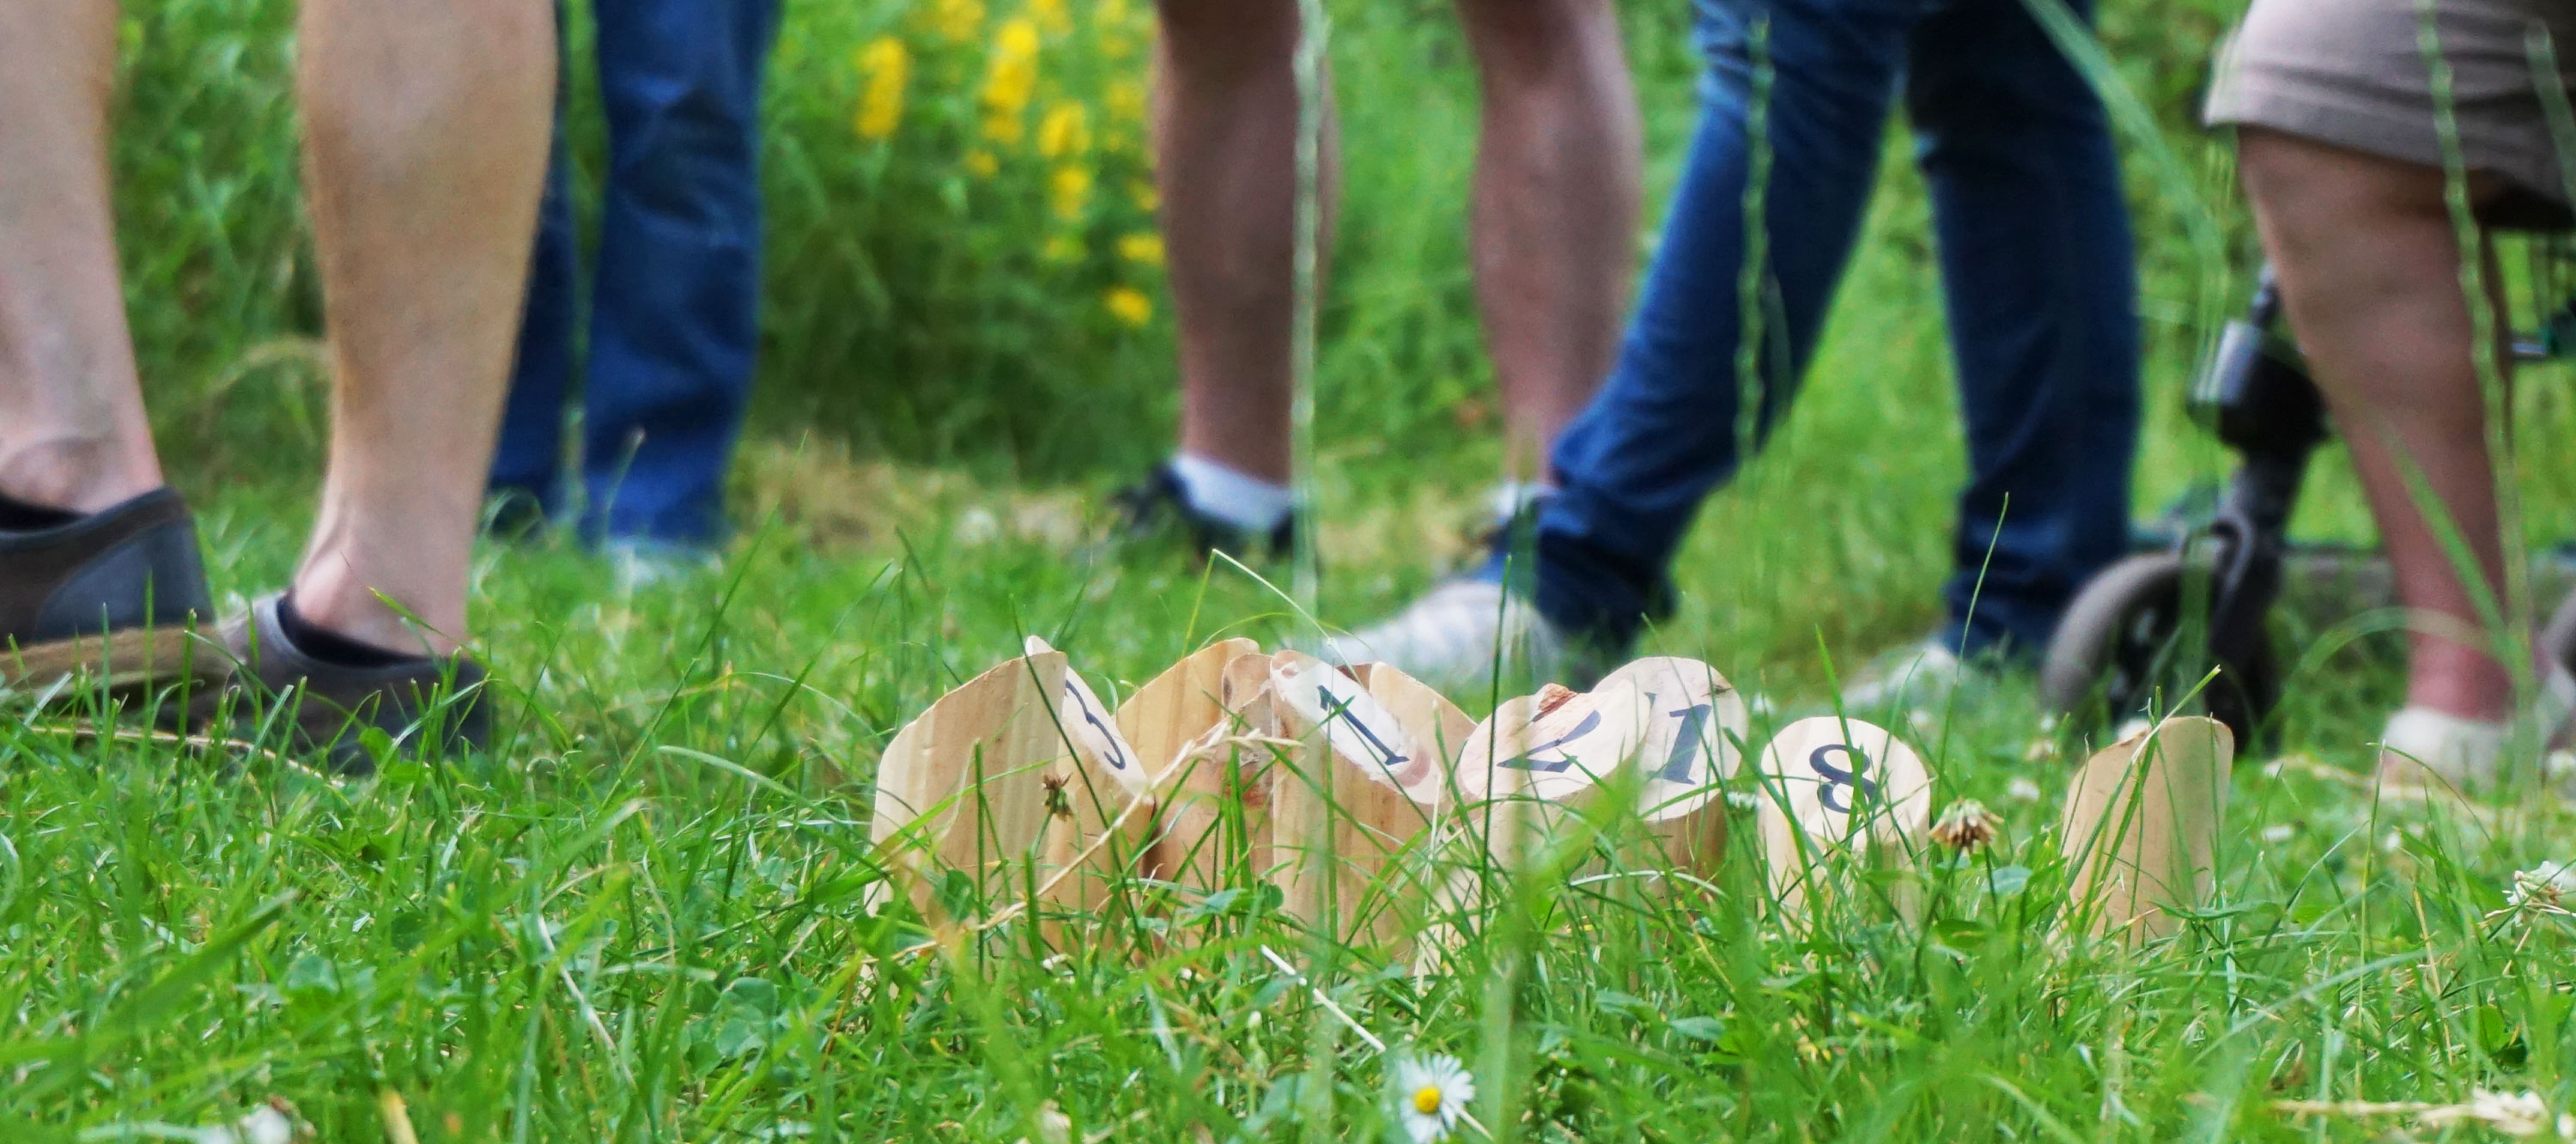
2141	826
1103	817
1179	705
1424	714
1693	742
1539	753
1359	793
1830	786
970	785
1214	793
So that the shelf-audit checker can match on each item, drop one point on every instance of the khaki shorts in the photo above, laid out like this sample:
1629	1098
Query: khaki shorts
2358	74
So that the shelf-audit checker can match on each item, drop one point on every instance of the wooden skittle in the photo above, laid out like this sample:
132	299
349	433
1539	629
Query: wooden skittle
2141	824
1360	790
1432	721
971	785
1426	715
1540	754
1837	786
1695	728
1214	793
1178	706
1103	818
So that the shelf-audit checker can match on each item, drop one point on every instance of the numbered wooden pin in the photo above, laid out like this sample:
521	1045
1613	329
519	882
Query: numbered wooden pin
1425	715
1103	819
1180	705
1539	754
1214	795
2141	826
1837	787
1348	808
1693	742
971	785
1431	720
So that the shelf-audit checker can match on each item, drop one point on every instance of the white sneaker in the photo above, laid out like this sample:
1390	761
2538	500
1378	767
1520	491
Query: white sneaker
644	565
2423	748
1451	637
1920	675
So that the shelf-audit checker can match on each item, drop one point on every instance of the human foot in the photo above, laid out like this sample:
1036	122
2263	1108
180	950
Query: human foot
331	690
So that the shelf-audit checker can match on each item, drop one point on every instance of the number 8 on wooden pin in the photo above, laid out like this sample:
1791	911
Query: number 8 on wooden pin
1837	786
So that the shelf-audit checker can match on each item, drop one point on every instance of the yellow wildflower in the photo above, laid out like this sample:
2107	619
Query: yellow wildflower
1144	195
958	21
887	66
1125	100
982	165
1011	80
1129	305
1061	249
1070	191
1051	16
1143	247
1110	13
1065	132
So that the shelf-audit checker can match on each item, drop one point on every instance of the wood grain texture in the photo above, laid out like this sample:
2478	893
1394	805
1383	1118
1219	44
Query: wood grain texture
969	786
2141	826
1343	825
1214	795
1178	706
1103	819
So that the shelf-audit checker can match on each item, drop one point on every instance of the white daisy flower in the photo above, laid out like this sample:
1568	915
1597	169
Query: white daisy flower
1431	1095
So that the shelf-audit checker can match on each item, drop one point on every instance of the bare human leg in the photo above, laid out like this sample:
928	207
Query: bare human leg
1225	132
426	135
1555	208
2370	271
72	429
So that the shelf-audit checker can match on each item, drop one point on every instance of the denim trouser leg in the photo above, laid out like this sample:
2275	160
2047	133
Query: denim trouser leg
527	467
2041	294
1668	425
1671	423
675	311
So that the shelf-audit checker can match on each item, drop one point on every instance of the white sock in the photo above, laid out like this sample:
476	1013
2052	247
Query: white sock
1230	495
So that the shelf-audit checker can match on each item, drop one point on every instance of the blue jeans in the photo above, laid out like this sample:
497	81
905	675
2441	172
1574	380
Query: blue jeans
675	300
2035	255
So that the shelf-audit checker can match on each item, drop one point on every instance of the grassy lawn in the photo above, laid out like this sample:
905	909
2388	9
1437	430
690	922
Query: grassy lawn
644	916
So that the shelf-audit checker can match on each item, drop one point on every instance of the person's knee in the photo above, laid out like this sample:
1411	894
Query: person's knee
2305	186
1540	45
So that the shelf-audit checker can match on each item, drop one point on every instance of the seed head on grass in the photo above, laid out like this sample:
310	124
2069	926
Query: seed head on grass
2538	892
1966	826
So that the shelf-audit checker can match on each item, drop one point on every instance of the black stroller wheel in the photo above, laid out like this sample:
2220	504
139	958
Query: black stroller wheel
2121	652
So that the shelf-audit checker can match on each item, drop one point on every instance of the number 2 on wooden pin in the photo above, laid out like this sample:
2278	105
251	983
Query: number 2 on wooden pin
1530	761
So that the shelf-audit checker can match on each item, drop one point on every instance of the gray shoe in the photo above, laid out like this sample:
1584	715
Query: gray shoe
429	707
1460	634
1922	675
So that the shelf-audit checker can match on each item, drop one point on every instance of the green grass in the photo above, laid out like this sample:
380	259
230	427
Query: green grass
641	918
